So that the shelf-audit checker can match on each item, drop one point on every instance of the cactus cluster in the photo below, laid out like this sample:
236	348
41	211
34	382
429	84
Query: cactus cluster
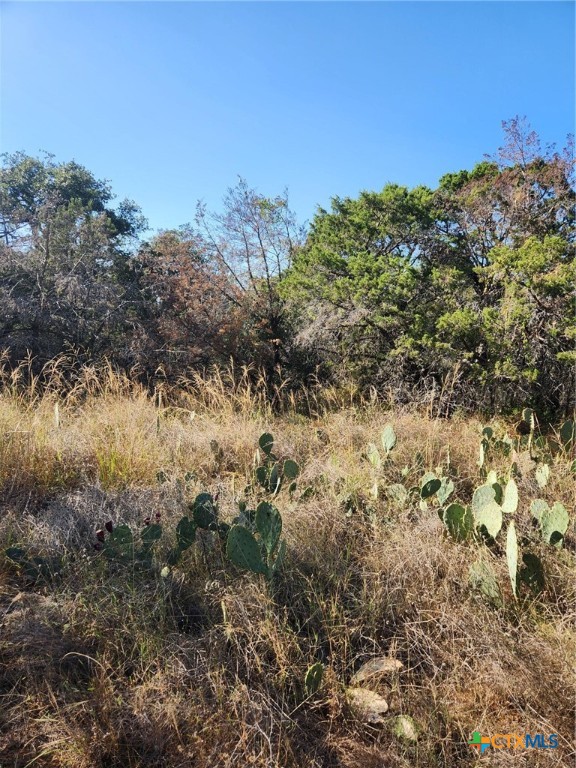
553	521
203	513
34	567
254	540
271	473
117	543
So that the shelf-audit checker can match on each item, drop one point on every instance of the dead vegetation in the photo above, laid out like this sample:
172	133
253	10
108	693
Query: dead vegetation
103	664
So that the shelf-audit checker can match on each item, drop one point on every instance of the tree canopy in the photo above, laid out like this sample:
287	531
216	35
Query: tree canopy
464	292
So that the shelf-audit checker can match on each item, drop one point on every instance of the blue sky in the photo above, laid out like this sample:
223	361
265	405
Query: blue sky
172	101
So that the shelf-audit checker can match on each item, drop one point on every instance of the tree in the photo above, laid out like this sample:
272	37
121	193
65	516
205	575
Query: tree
359	279
198	314
470	283
252	243
67	276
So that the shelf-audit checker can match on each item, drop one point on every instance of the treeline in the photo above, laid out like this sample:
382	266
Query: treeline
465	291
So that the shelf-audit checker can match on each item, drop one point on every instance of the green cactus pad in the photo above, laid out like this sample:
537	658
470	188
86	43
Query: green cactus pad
458	521
268	525
446	489
120	543
398	493
489	516
554	523
204	511
313	678
512	555
185	533
528	418
481	577
510	499
151	534
279	561
483	447
266	442
429	488
388	438
373	455
243	550
291	469
532	572
275	479
538	507
263	476
568	433
542	475
483	495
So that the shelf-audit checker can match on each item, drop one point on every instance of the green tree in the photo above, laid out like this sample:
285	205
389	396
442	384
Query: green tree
67	274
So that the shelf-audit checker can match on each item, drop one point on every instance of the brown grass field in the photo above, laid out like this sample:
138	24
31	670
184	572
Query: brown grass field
104	663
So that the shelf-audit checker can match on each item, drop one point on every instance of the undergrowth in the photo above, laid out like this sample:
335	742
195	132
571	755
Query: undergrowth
111	659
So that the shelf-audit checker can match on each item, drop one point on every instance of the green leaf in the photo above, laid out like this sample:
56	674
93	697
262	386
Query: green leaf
510	500
243	550
512	555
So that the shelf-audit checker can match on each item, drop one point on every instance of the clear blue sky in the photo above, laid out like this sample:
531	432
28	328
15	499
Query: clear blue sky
172	101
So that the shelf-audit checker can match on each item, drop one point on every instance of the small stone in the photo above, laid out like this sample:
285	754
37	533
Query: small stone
382	665
369	706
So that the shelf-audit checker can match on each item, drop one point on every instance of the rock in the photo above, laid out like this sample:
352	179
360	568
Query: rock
381	665
367	705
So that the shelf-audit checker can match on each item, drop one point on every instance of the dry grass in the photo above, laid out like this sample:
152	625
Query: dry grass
102	664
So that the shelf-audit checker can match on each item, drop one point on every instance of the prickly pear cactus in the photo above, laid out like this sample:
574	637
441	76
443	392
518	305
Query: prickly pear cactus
486	511
313	678
244	551
388	438
510	497
119	544
458	521
512	556
268	525
554	523
204	511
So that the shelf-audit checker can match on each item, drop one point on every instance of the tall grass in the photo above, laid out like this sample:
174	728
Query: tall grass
102	664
